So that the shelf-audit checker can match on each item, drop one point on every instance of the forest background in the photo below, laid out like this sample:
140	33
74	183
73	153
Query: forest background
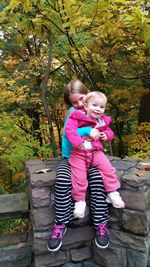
46	43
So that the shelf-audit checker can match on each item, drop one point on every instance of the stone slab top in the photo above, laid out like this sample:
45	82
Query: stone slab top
132	171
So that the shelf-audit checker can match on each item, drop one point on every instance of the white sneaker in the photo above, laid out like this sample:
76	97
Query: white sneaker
79	209
115	199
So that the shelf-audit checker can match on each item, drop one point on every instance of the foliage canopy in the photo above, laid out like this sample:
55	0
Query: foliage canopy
44	44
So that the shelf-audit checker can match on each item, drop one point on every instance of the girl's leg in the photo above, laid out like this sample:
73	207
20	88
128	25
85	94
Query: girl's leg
99	207
63	206
63	200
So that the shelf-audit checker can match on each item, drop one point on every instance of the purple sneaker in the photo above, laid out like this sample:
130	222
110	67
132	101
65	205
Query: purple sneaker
102	235
55	238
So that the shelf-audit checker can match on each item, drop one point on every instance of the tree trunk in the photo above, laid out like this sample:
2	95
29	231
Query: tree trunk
43	98
35	116
144	111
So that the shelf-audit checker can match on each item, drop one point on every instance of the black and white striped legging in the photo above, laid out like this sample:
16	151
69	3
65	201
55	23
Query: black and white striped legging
64	202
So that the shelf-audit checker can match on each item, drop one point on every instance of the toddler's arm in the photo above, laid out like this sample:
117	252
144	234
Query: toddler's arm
71	132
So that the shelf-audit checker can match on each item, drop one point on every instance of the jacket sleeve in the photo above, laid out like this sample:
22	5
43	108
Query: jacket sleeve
70	130
109	133
84	131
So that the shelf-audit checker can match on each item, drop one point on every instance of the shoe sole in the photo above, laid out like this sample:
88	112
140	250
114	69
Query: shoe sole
56	249
118	207
99	246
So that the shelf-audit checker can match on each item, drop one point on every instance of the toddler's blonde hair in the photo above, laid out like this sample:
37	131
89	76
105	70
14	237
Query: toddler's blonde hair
95	94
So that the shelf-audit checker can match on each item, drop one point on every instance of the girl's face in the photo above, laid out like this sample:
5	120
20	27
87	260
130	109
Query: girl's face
77	100
95	108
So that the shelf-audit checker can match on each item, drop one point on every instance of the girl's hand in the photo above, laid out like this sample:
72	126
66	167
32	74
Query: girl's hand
95	134
103	136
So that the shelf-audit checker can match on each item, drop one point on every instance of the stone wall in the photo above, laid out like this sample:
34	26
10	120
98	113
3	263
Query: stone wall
129	228
15	248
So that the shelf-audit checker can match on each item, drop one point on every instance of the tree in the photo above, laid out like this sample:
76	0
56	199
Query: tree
104	43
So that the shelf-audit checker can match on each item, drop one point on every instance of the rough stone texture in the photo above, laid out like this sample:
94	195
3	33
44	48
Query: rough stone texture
112	256
129	228
52	259
43	179
148	264
13	203
136	221
41	197
78	255
132	199
144	165
135	258
128	240
15	250
42	218
135	179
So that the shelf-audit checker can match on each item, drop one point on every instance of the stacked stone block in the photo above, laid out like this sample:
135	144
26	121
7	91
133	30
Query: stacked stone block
129	227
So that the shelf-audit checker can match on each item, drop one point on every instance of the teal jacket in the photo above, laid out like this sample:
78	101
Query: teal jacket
66	145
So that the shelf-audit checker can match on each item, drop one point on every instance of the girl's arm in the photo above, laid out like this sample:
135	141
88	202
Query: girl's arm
89	131
84	131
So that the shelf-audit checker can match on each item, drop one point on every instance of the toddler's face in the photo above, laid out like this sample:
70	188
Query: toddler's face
95	108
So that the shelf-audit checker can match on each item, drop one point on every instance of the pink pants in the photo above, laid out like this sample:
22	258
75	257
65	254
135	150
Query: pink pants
80	161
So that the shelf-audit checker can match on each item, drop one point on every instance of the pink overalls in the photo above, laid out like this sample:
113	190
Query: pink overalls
81	159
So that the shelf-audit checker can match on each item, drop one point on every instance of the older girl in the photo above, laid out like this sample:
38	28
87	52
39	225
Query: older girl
87	152
74	94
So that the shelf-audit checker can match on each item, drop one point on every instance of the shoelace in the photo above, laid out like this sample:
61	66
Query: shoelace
102	229
57	231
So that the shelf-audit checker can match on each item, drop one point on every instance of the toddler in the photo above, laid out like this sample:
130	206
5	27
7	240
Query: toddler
87	152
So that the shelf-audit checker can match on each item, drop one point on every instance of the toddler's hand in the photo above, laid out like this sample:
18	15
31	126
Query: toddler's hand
103	136
95	134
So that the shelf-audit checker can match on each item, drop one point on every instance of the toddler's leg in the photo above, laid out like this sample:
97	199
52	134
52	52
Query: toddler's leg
108	172
115	199
111	182
79	209
79	181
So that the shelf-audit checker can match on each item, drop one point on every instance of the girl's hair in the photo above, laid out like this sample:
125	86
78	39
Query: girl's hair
95	94
74	87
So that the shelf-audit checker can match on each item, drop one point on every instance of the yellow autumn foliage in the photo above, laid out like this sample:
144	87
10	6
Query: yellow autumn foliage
139	143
